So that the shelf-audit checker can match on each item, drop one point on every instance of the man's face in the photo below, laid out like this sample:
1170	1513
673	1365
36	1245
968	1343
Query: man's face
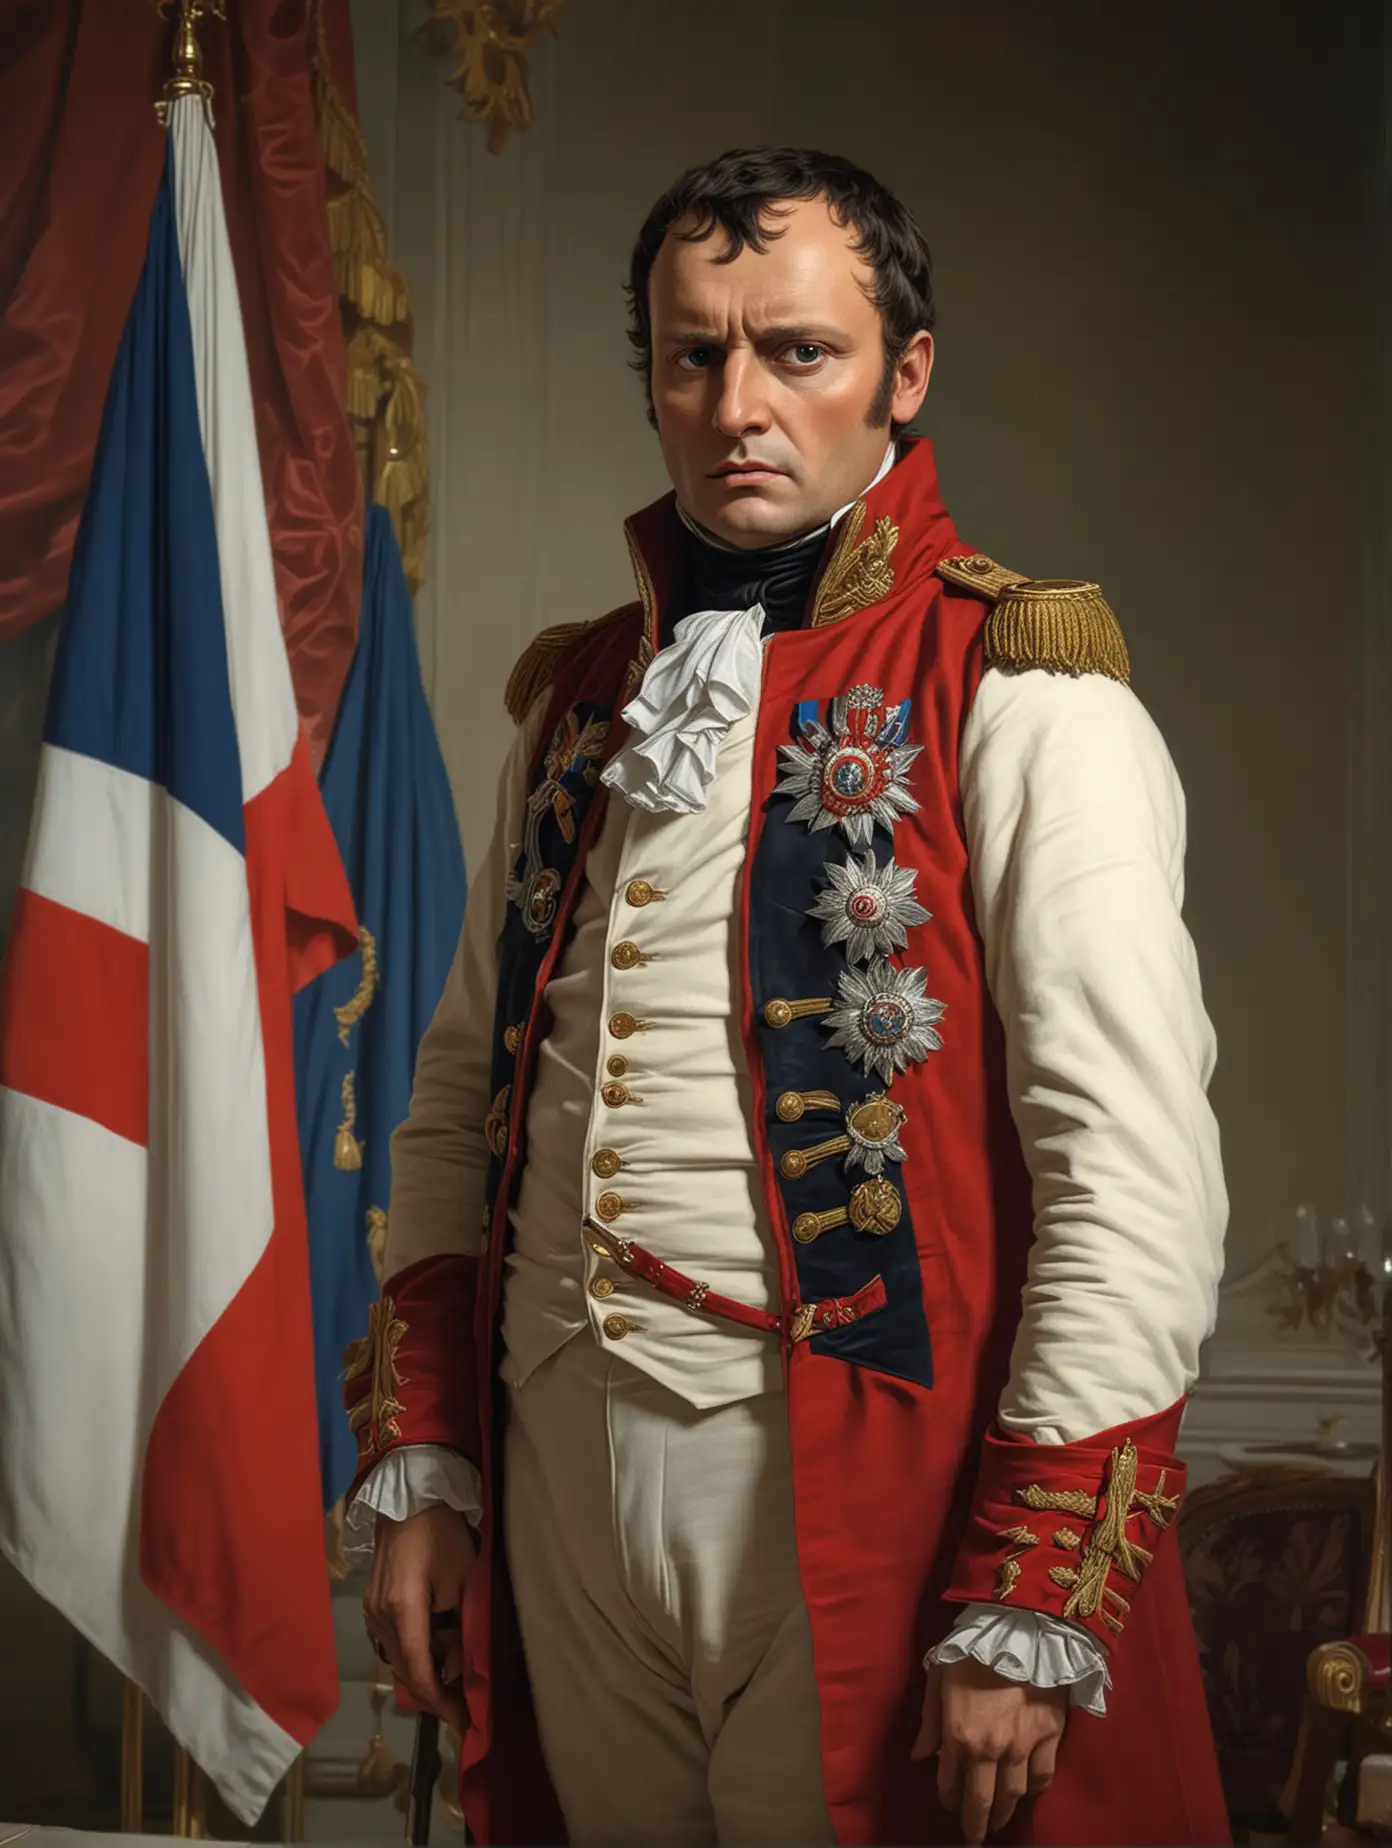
765	372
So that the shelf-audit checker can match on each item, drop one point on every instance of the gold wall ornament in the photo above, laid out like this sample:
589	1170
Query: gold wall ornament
186	57
352	1011
859	573
492	41
386	407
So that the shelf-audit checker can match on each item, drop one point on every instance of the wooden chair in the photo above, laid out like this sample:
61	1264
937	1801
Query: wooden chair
1348	1707
1277	1565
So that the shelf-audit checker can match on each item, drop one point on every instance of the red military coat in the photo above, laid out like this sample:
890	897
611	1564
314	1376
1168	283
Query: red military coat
898	1322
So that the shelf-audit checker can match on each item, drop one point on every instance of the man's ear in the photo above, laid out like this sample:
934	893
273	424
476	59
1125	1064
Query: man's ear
911	377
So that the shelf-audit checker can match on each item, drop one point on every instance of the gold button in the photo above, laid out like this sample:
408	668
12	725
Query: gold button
806	1227
618	1065
623	1026
512	1038
615	1094
609	1205
625	955
602	1287
606	1163
778	1013
616	1326
979	563
641	892
793	1165
790	1107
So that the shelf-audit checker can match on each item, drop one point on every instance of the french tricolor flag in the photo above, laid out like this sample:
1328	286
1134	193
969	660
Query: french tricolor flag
159	1473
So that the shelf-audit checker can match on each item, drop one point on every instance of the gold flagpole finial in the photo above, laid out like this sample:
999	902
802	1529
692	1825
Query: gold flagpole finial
186	77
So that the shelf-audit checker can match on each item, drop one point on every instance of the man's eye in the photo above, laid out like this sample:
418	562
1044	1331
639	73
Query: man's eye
697	359
805	353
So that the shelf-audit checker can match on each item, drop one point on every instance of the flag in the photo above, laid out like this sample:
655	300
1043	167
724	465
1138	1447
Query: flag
158	1478
357	1028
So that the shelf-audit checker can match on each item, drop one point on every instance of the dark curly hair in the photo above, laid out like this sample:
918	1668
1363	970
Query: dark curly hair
734	193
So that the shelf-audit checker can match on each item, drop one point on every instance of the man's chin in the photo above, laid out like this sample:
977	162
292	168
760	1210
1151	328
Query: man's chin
752	521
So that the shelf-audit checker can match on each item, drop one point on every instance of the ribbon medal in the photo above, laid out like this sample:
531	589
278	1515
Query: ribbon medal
852	775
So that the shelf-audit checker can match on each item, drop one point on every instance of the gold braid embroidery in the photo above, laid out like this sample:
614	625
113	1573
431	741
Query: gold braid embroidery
377	1239
1009	1576
859	574
1108	1545
380	1408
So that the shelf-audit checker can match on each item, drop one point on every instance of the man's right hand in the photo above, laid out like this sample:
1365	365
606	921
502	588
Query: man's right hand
419	1566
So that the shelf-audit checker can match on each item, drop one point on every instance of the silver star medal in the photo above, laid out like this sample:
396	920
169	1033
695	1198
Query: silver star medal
885	1020
852	775
868	907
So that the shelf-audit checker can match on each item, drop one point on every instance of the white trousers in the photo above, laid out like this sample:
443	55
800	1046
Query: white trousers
653	1563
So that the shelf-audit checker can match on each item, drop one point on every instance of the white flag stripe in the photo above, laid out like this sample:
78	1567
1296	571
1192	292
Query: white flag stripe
89	848
211	1210
77	1191
262	695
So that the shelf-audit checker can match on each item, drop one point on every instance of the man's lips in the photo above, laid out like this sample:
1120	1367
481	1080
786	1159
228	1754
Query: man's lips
745	471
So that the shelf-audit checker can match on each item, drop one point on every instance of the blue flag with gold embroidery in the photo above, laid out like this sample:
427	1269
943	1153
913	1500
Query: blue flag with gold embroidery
358	1026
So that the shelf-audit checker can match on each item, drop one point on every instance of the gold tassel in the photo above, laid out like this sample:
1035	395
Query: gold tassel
1061	625
348	1153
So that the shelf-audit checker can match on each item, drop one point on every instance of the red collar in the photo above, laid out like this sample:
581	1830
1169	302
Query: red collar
901	521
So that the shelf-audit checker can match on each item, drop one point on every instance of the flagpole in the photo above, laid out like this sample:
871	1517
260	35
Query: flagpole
132	1760
186	75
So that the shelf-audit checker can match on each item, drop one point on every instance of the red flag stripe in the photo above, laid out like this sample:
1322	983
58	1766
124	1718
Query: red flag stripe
69	981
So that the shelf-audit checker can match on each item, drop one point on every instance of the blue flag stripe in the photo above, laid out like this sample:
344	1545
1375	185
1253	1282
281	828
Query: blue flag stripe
140	680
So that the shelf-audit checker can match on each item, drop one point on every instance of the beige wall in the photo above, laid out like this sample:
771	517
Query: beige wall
1155	369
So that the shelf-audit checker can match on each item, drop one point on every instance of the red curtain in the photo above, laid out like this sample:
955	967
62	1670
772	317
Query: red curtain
80	160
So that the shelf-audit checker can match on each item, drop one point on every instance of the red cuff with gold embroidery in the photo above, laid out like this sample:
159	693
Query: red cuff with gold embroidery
1069	1529
412	1378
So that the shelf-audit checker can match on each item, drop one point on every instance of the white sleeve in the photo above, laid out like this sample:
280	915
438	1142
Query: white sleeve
1075	830
439	1154
405	1482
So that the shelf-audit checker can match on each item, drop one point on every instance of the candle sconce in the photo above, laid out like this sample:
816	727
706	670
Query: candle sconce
1330	1278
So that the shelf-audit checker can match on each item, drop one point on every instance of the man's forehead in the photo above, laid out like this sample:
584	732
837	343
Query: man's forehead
814	259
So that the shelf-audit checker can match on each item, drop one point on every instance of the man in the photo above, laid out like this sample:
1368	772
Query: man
809	1211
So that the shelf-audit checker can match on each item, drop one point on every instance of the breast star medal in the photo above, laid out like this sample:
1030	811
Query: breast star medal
885	1021
852	775
873	1126
868	907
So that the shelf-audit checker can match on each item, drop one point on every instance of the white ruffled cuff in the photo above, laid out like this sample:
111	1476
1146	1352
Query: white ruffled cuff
404	1483
1033	1647
695	688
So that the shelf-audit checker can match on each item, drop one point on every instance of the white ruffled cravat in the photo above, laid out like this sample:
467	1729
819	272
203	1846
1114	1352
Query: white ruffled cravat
695	688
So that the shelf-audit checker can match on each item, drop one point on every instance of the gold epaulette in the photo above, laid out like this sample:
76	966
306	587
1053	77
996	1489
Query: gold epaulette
537	665
1062	625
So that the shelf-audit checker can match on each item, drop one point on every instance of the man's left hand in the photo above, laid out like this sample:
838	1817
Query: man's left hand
996	1741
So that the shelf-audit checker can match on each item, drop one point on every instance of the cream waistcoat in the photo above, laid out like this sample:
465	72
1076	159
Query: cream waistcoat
640	1112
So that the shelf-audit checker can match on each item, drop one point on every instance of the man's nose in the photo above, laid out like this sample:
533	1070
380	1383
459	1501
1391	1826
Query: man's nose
742	407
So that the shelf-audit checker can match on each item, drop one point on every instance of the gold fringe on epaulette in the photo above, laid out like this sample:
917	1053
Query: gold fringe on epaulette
1062	626
536	668
385	393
